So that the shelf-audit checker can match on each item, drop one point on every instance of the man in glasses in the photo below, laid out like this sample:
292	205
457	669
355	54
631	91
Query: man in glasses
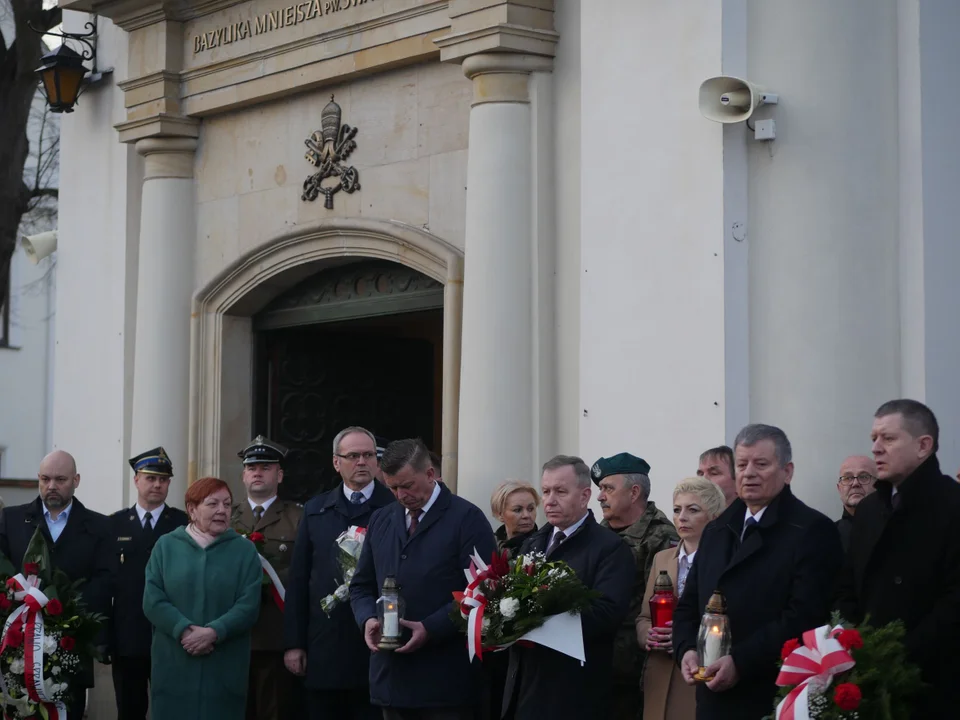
325	647
857	476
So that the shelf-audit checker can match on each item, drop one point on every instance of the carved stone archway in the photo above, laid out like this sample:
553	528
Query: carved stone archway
221	367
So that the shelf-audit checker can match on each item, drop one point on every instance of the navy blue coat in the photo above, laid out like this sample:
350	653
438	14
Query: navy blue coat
777	584
337	656
429	569
543	683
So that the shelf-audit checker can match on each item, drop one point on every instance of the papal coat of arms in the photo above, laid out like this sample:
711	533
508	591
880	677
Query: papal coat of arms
327	149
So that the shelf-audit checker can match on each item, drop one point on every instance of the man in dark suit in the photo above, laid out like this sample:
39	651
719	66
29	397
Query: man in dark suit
775	561
328	650
424	542
904	557
272	693
80	545
603	562
136	530
858	474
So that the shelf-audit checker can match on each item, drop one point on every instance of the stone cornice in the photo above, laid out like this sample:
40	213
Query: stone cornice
498	38
159	125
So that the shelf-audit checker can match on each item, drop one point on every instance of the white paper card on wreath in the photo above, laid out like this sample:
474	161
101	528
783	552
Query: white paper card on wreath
563	633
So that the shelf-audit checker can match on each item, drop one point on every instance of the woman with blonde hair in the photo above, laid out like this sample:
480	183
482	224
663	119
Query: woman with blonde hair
514	503
696	501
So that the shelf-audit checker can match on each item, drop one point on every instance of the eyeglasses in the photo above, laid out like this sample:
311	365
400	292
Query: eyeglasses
863	478
354	456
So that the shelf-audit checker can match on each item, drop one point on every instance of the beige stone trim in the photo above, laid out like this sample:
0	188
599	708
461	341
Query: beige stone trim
503	77
220	325
157	126
167	157
501	38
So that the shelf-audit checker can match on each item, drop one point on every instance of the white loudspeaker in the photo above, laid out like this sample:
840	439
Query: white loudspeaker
37	247
726	99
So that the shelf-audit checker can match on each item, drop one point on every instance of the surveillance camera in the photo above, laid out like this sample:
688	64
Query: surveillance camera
37	247
726	99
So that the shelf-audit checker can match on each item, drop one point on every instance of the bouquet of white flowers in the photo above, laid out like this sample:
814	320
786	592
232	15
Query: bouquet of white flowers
349	544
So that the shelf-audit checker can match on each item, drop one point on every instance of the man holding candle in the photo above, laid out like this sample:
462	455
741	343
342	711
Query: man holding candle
904	557
423	543
774	561
544	683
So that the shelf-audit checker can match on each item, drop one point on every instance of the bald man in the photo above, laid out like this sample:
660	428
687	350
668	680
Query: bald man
858	473
79	541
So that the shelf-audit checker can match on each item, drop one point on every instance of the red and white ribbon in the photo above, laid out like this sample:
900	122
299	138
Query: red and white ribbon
276	587
28	618
811	668
475	603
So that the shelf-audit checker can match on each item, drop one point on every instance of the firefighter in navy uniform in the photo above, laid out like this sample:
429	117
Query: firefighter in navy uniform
136	530
273	692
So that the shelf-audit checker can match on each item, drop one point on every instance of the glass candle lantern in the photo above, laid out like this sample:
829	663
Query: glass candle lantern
713	640
389	613
663	601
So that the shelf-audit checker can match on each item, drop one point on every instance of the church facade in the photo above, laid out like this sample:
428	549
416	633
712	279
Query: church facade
506	227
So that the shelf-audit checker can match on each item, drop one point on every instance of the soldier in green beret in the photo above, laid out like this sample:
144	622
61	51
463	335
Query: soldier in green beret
624	483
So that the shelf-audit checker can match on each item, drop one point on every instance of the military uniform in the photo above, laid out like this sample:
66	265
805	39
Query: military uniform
650	534
273	692
131	634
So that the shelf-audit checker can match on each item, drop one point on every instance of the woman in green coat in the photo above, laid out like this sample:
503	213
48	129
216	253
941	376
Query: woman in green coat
203	597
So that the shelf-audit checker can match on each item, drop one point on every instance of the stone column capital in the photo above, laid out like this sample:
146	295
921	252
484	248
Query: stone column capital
167	157
502	77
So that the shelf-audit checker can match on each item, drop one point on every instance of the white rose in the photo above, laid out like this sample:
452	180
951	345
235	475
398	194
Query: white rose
49	644
509	607
486	624
16	666
342	593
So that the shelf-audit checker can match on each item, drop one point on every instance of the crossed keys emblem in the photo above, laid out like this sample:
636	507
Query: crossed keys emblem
327	149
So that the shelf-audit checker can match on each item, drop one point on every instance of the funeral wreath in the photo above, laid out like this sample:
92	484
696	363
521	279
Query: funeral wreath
48	637
841	672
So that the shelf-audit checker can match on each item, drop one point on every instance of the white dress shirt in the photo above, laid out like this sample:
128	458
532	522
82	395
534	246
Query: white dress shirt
265	504
154	514
569	531
426	508
749	515
366	491
684	563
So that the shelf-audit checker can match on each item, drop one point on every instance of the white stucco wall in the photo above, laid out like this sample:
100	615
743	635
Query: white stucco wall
25	370
95	300
823	231
651	282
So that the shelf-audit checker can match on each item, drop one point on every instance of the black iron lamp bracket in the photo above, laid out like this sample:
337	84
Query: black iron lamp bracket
88	51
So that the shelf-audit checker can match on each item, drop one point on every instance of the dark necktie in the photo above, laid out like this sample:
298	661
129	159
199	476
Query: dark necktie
895	501
556	540
748	527
148	522
257	514
414	521
356	497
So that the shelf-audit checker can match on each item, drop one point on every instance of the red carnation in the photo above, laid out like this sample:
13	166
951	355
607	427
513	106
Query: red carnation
788	647
67	643
256	537
12	583
850	639
5	603
847	696
54	607
31	568
14	637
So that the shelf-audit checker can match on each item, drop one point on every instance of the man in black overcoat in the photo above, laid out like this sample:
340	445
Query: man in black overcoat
80	545
904	557
424	542
542	682
328	650
775	561
135	530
